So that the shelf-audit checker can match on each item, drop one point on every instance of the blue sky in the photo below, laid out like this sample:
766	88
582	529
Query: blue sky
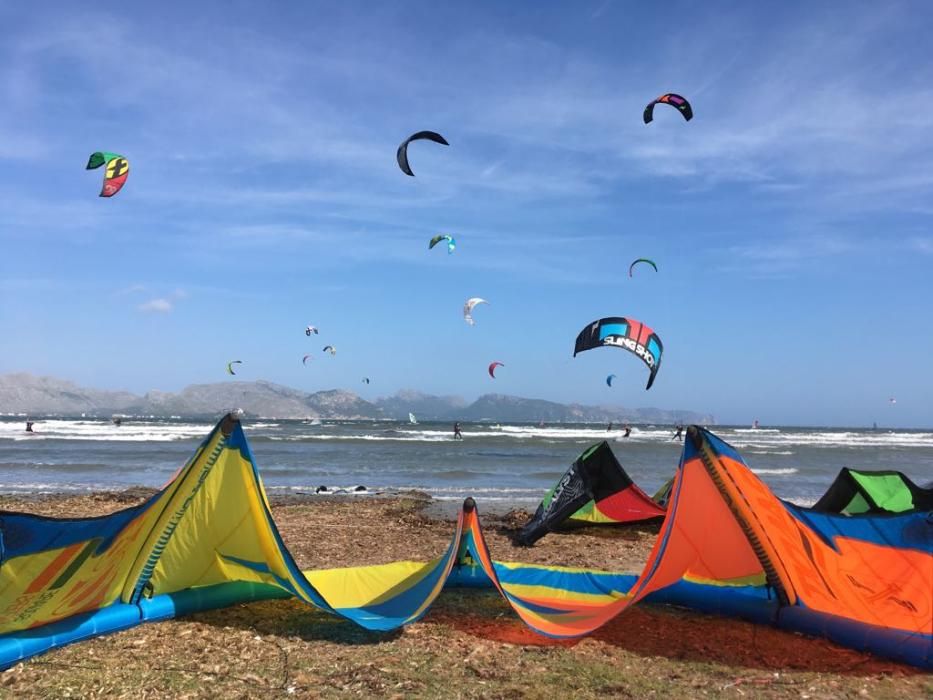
791	220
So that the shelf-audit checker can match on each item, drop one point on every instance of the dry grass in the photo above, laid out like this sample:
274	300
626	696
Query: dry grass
469	645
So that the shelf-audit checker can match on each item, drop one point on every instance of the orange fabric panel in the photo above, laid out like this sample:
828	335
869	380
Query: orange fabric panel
859	580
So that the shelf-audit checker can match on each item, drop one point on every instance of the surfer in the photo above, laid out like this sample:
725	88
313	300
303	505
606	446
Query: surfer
457	435
29	426
610	427
628	430
679	435
755	425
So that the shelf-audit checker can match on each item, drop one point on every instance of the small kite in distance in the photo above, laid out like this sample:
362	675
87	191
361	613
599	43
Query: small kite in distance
365	380
402	154
330	348
451	243
115	174
609	380
304	360
309	330
631	267
674	101
492	368
468	309
230	366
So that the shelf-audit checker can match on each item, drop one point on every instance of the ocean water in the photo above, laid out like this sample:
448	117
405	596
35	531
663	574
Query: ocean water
500	465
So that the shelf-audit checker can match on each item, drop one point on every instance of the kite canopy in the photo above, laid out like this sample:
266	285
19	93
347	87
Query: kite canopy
309	330
609	379
115	174
330	348
304	360
594	490
625	333
727	546
451	243
365	380
402	154
468	309
631	267
492	368
857	491
674	101
230	366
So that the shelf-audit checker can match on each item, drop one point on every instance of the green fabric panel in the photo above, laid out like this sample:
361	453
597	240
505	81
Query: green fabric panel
858	504
586	514
887	491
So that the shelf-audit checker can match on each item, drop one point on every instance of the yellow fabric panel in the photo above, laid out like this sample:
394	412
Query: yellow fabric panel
538	593
31	585
223	519
361	586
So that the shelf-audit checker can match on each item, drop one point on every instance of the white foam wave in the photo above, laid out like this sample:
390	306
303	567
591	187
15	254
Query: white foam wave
130	431
778	472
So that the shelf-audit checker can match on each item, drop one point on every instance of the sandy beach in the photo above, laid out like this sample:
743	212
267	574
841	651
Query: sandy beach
470	644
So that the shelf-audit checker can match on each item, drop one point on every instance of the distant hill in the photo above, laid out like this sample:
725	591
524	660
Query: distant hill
502	408
45	396
424	406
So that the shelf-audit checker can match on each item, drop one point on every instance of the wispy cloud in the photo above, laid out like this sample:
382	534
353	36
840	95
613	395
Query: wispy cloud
159	305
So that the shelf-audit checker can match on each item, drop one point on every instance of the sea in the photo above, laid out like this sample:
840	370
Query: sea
500	465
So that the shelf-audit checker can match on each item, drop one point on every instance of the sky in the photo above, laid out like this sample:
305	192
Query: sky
791	220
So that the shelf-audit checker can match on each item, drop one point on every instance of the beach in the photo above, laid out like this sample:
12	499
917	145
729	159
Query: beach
470	643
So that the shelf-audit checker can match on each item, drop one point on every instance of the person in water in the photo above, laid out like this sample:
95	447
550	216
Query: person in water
679	435
457	435
628	431
29	426
610	427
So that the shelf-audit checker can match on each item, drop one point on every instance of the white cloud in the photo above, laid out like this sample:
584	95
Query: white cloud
159	305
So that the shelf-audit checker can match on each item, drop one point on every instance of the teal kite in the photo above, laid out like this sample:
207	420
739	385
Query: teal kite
451	243
631	267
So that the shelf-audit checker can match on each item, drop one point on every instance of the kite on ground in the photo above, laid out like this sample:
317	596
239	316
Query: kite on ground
468	309
304	360
115	174
330	348
674	101
609	379
631	267
451	243
626	333
310	329
492	368
230	366
402	154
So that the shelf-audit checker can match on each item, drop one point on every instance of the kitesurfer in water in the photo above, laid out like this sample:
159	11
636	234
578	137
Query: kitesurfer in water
610	427
679	435
457	435
628	430
29	426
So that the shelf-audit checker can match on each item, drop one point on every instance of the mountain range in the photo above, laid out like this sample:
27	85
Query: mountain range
24	393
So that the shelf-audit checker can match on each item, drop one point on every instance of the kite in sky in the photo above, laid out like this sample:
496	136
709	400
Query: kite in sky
625	333
468	309
631	268
115	174
674	101
451	243
402	154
